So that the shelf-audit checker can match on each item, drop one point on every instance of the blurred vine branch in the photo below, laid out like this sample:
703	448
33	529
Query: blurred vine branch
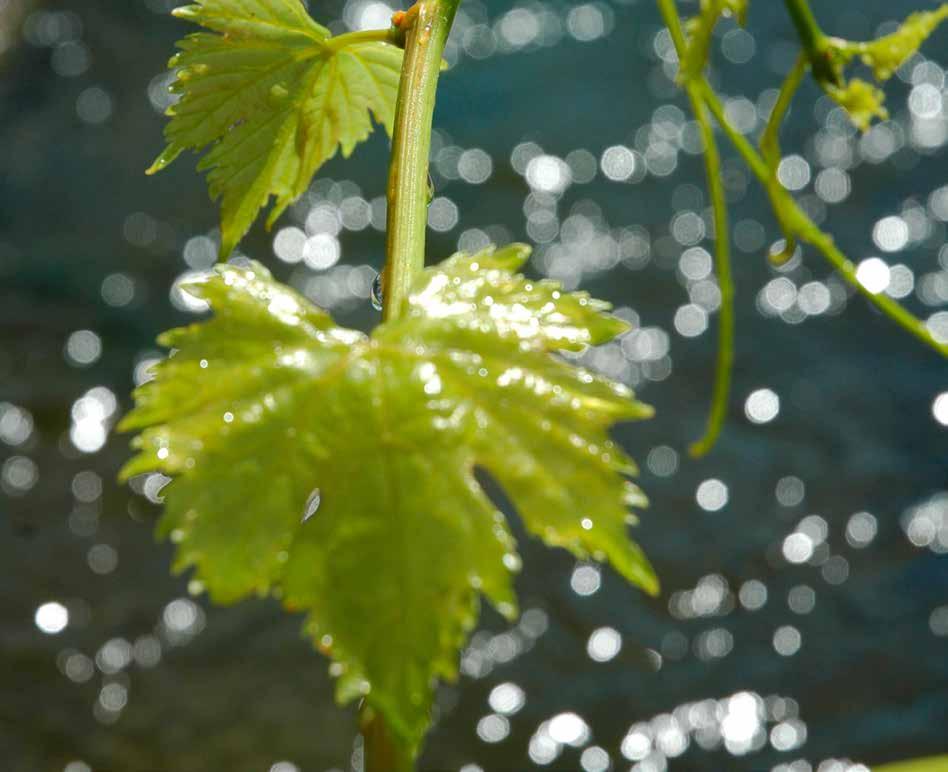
826	58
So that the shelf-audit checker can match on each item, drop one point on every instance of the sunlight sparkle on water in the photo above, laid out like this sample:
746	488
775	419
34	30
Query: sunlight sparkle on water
873	274
762	406
712	495
52	618
507	699
604	644
940	408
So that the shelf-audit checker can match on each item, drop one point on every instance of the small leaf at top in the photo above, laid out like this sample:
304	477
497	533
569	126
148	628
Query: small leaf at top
270	406
275	97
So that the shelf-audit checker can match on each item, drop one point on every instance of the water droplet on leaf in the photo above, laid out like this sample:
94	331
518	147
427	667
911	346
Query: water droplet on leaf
377	297
507	610
512	561
312	505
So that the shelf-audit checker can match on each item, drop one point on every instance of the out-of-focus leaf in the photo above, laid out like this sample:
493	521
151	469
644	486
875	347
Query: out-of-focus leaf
336	470
275	97
884	55
861	100
932	764
699	30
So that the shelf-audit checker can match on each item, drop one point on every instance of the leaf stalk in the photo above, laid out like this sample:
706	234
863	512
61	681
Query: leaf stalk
338	42
382	752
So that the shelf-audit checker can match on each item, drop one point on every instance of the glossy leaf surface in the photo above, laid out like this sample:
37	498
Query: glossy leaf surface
275	97
269	407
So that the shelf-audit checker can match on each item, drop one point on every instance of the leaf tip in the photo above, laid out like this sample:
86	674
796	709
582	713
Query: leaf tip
652	588
187	12
164	160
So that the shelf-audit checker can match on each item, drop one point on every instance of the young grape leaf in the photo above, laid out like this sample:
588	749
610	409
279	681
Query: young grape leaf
275	97
336	470
699	30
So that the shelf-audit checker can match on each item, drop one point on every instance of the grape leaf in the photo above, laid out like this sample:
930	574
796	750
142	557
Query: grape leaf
275	97
699	30
270	407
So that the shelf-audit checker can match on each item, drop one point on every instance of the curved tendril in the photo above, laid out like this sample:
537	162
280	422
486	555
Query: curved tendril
770	139
722	256
770	146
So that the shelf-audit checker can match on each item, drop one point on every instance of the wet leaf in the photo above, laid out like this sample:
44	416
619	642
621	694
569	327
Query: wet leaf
270	404
275	97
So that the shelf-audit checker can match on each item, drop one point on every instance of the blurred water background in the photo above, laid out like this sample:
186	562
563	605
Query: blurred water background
803	624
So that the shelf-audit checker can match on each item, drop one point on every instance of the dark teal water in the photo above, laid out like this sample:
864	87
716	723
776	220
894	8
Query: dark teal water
144	677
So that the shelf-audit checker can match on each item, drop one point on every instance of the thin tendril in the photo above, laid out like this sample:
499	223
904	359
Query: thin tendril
722	256
770	139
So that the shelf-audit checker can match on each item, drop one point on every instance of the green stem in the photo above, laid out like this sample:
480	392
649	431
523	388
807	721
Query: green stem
770	139
411	145
791	216
813	40
722	250
382	752
424	29
337	42
770	144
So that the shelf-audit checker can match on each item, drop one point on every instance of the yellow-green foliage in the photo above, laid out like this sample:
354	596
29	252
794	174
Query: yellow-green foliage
270	401
275	97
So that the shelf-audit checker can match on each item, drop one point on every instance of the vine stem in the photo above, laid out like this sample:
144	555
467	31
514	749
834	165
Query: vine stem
426	26
383	753
813	40
423	30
